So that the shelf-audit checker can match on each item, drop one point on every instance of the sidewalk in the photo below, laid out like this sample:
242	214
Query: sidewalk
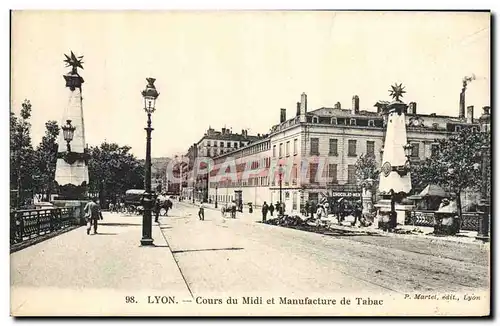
407	231
79	274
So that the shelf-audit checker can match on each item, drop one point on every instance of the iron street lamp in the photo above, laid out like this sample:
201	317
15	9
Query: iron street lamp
484	203
150	95
216	186
280	174
68	134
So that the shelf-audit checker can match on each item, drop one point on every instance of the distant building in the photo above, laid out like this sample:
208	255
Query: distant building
338	136
212	144
159	173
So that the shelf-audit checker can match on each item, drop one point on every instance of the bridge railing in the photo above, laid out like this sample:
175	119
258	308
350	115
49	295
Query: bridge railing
468	221
30	223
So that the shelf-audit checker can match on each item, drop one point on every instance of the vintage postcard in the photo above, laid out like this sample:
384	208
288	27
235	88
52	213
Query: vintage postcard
250	163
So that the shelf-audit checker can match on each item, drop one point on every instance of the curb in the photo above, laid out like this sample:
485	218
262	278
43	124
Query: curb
411	235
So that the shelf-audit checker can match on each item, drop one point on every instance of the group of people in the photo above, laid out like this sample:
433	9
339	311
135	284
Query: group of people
280	208
317	210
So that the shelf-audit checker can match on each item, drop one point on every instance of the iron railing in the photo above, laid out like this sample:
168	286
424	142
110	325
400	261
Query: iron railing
30	223
468	222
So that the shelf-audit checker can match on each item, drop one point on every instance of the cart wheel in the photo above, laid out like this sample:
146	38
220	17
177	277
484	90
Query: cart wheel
163	211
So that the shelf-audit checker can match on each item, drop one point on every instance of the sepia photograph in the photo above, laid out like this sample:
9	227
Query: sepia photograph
292	163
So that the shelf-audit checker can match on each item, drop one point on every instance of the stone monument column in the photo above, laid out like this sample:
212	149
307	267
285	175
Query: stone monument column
395	181
72	174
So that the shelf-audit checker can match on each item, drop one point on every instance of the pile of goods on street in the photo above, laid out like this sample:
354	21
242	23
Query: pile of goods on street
288	220
300	221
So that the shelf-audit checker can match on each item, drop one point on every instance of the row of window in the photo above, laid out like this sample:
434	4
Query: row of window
330	174
222	198
287	148
252	149
208	143
212	152
332	150
352	121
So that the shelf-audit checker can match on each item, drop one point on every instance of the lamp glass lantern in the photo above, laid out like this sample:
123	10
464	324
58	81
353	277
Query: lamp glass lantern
408	149
150	94
68	132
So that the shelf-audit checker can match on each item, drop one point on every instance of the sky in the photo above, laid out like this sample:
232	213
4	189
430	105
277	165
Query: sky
237	69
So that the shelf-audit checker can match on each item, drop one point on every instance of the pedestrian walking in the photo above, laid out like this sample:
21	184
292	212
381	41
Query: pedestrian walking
201	212
233	210
93	214
278	208
306	208
157	209
271	209
312	209
265	208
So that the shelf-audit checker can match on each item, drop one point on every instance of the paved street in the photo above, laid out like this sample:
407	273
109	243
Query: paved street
193	260
243	255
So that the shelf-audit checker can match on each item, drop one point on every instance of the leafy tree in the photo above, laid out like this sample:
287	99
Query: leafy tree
21	151
455	164
366	168
113	170
46	158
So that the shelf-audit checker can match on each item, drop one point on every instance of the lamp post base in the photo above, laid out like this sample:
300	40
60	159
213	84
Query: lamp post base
147	242
483	238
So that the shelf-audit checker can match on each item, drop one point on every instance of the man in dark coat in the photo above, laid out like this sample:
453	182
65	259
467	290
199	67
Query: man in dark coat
265	208
93	214
306	208
271	209
157	207
312	209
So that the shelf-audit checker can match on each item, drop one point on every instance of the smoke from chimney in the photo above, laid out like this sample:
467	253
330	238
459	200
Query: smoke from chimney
465	81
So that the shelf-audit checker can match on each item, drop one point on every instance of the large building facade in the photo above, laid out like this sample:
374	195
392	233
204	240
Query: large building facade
212	144
317	152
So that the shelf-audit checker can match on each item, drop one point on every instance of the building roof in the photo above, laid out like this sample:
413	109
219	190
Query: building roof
234	137
334	112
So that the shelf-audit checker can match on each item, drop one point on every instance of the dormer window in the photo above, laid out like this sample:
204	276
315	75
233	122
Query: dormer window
333	121
371	123
315	120
352	122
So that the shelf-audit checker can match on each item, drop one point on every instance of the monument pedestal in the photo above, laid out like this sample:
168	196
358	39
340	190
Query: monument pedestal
384	218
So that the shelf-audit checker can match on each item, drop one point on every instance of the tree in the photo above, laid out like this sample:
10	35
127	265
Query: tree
455	164
21	151
113	170
366	168
46	158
